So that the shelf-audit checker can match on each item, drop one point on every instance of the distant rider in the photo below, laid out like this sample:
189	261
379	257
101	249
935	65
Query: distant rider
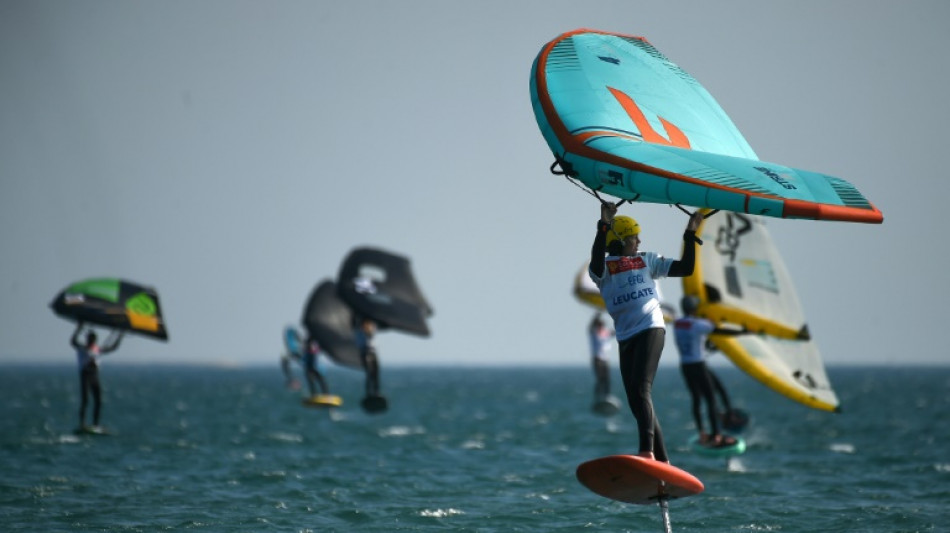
310	353
364	331
690	332
86	355
600	336
291	353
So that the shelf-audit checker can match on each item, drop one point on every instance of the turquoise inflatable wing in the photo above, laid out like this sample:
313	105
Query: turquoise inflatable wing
623	119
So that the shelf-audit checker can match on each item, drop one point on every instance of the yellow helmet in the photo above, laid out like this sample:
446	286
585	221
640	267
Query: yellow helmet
622	228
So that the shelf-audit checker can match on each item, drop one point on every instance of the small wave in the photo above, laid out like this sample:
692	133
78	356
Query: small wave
842	447
286	437
942	467
401	431
538	495
613	426
473	445
542	420
43	491
439	513
734	464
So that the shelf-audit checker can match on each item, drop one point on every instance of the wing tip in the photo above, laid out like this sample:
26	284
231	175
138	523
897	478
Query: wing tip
839	213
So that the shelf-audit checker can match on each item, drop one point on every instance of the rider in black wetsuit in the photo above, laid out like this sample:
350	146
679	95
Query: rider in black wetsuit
689	332
311	351
365	329
626	279
599	335
86	355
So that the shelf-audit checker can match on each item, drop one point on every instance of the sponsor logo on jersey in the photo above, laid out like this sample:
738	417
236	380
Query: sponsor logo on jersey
625	264
631	296
683	324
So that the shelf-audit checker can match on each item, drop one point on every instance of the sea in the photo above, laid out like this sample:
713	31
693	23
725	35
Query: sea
468	449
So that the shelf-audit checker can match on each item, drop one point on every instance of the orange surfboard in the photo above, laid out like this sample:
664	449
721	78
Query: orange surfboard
633	479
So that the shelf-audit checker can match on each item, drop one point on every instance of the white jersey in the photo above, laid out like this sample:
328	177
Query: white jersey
689	332
84	356
630	292
599	341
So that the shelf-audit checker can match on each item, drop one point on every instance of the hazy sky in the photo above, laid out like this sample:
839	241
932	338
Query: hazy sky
230	153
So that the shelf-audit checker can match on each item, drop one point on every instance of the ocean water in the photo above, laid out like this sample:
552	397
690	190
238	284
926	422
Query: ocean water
461	449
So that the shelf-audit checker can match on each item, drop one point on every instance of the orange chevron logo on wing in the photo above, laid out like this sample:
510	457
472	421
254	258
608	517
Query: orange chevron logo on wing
676	136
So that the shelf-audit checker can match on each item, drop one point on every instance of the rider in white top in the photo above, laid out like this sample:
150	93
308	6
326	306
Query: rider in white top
628	287
690	332
599	336
626	279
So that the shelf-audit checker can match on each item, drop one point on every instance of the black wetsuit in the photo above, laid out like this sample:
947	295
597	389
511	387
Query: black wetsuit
310	368
364	341
723	395
89	383
639	358
640	354
371	365
690	331
598	336
89	370
698	381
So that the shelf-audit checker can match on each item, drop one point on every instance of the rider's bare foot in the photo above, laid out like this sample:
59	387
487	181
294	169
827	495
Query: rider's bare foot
721	440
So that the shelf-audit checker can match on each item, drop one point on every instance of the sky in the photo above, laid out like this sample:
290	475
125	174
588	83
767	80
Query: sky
230	154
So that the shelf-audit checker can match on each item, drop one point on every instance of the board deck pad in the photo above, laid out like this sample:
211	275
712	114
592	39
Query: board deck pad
323	400
633	479
723	451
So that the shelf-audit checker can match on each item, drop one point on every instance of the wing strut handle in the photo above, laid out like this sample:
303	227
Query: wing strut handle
707	215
